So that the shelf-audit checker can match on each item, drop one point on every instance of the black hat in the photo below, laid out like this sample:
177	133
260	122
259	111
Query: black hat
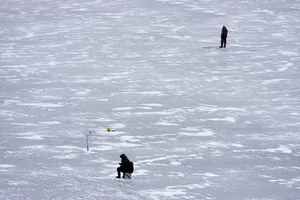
122	156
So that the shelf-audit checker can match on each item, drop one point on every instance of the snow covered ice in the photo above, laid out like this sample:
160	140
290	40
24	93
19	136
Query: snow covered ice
198	123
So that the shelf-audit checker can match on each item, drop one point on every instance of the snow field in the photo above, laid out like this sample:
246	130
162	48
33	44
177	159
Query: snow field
198	123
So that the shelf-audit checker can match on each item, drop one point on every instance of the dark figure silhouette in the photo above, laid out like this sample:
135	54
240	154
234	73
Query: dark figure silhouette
124	166
223	37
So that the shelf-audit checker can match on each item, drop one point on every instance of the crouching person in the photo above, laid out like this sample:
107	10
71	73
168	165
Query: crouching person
126	167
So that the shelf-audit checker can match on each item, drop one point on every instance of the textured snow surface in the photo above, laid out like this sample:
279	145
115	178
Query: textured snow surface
199	123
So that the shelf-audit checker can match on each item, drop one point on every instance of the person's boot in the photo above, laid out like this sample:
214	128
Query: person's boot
119	174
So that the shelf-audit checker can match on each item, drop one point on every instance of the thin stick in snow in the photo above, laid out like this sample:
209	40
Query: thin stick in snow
87	143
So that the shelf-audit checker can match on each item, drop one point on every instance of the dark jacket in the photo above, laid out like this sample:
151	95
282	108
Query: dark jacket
124	165
224	32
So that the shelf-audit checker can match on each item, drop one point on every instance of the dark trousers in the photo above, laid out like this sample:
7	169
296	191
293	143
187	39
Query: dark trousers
119	170
223	42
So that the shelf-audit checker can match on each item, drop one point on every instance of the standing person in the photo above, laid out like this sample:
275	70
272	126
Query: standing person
124	166
223	37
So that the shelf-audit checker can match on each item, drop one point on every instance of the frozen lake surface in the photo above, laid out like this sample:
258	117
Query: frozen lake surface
198	123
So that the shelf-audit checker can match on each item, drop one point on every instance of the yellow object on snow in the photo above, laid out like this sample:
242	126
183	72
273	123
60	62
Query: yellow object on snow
109	129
